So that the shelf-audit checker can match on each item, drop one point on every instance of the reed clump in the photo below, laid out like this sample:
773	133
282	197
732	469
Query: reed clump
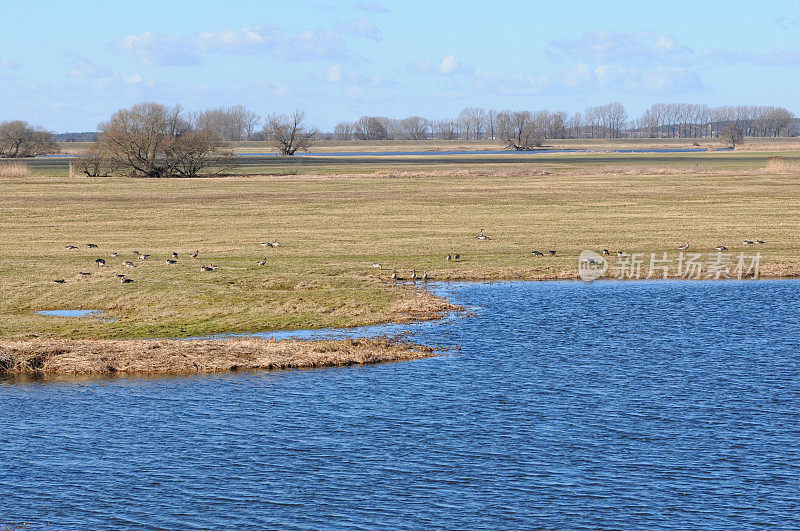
131	356
782	165
14	170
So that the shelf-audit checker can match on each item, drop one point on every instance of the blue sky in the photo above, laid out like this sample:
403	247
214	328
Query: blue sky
74	63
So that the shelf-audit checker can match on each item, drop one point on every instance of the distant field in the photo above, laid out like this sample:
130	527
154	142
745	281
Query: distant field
754	144
335	217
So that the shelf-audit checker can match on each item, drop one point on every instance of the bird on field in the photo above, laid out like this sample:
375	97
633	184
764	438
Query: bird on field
721	248
414	275
194	254
70	247
170	262
208	268
684	247
457	257
60	281
481	236
551	253
537	253
84	274
605	252
144	256
100	262
91	245
395	276
262	262
760	241
620	253
449	257
749	242
128	263
114	255
127	281
120	275
175	255
425	277
377	265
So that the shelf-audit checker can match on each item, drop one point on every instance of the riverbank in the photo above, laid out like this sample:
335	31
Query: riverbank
53	357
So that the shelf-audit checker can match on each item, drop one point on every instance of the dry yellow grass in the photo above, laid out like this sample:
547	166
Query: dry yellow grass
60	357
334	226
14	170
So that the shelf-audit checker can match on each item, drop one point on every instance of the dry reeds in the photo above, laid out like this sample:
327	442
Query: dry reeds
14	170
62	356
782	165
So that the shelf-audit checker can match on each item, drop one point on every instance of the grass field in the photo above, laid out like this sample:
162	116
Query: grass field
335	217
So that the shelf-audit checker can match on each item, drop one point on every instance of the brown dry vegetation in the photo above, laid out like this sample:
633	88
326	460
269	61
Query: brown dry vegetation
60	357
336	217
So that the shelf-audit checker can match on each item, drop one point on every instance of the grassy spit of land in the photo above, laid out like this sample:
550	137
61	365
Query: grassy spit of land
335	217
51	357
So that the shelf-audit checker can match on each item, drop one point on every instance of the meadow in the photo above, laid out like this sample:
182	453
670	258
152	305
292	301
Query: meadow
337	216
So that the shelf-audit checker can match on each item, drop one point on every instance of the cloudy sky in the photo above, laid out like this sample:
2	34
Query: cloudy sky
71	64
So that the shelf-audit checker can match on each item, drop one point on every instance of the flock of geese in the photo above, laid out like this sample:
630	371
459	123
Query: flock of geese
124	279
395	277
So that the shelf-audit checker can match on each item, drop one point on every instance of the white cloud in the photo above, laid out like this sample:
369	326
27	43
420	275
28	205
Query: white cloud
372	7
644	47
9	63
334	73
362	28
448	65
88	69
153	49
160	50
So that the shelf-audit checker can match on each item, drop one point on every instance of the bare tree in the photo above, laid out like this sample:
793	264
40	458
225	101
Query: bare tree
288	133
518	131
372	128
413	128
344	130
18	139
153	140
731	135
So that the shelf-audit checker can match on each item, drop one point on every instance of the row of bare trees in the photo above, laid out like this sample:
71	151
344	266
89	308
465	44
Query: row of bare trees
686	120
662	120
20	139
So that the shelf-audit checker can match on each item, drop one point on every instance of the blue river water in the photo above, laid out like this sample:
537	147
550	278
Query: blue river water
628	405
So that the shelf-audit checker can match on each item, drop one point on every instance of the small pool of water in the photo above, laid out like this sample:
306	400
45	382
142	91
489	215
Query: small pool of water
69	313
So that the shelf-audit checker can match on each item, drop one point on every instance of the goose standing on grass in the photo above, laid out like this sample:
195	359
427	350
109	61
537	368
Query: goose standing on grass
70	247
749	242
537	253
100	262
760	241
128	263
425	276
195	254
144	256
414	275
620	253
127	281
481	236
396	277
91	246
377	265
171	262
605	252
684	247
551	253
721	248
449	257
457	257
60	281
266	244
114	255
175	256
263	262
206	268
